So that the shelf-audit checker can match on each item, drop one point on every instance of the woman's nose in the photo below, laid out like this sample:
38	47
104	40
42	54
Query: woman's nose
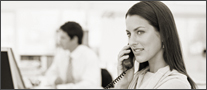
133	41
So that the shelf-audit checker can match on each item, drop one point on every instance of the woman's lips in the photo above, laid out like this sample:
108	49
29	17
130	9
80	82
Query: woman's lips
138	50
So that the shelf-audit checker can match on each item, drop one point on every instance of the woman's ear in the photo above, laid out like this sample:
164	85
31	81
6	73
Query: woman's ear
162	44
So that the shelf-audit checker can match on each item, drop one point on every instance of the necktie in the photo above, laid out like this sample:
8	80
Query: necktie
69	72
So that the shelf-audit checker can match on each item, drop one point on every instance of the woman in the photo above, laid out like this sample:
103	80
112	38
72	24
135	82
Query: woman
153	38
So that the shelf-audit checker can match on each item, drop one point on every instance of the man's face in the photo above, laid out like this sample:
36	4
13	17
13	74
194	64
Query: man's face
65	41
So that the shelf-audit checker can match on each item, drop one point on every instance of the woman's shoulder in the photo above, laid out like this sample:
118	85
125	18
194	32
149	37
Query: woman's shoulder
175	83
175	80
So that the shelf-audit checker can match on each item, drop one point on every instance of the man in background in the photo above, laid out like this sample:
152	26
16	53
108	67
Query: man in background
75	66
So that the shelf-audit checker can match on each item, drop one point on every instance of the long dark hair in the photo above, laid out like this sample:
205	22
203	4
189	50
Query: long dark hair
160	17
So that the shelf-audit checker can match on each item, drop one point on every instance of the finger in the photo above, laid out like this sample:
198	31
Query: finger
125	47
123	53
123	57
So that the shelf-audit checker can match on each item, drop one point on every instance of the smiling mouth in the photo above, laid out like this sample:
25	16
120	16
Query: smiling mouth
138	49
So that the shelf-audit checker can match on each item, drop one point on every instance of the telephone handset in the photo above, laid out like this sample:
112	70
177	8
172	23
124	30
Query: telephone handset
127	64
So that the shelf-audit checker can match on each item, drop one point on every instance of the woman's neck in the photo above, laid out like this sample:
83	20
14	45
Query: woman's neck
157	62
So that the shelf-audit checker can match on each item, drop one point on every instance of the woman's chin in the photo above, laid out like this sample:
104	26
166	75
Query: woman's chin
140	59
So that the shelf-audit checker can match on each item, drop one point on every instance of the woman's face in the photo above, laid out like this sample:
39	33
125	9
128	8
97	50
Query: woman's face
143	38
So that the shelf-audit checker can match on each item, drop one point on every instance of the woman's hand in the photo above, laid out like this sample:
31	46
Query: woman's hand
126	79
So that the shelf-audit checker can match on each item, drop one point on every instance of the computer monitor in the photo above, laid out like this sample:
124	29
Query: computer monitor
11	77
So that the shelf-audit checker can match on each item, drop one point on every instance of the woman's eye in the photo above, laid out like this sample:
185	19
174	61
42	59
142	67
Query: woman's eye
140	32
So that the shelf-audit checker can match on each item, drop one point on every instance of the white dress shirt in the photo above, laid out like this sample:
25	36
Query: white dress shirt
85	71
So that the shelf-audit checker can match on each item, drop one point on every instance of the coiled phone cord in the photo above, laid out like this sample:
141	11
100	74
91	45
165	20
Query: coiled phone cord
116	80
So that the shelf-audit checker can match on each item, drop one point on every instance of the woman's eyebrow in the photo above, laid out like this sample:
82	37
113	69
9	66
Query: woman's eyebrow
138	28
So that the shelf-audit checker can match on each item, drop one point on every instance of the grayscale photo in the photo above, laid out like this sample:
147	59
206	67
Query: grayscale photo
103	45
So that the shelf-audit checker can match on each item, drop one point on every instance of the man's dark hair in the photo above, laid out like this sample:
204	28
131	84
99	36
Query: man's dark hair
73	29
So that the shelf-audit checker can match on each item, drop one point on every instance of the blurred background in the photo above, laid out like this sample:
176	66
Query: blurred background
29	27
